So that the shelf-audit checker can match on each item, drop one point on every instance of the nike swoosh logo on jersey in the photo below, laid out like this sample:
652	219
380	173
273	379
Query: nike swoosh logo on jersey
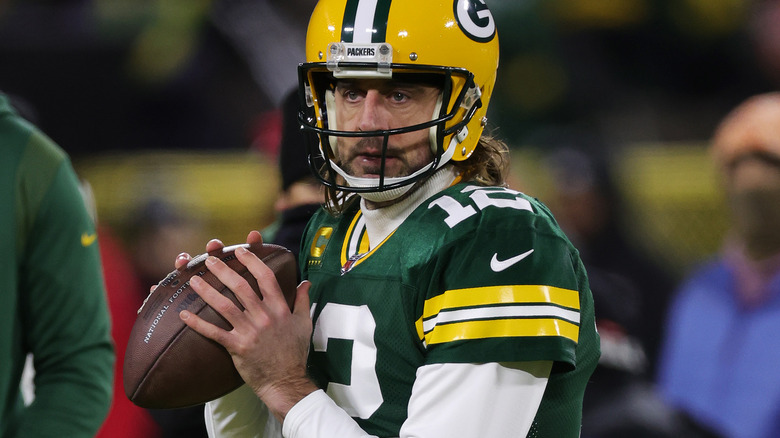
88	239
499	265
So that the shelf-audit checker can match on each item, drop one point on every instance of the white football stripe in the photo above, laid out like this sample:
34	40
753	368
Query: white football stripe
501	312
364	21
354	241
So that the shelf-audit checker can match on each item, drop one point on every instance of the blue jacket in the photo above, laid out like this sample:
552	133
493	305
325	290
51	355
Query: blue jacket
720	361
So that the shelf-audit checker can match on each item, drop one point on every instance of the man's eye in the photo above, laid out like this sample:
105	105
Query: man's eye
351	95
398	97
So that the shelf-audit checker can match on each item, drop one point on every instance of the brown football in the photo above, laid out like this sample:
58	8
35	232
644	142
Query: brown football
167	364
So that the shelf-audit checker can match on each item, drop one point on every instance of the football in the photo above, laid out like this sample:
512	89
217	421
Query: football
167	364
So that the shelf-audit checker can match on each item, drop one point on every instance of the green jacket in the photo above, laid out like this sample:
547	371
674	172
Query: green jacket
52	297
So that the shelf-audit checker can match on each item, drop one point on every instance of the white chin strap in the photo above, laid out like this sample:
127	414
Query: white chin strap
389	195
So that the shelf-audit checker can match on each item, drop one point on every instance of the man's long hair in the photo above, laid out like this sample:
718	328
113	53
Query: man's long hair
488	165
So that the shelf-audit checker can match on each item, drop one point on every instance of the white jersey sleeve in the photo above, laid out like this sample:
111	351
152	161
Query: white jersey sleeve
447	400
475	400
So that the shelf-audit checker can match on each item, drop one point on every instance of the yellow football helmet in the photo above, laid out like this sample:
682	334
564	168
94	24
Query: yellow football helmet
455	40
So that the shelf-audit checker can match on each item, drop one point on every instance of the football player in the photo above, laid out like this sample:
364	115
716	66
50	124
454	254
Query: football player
437	302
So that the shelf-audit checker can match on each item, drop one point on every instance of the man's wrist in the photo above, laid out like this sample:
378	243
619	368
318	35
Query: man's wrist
282	395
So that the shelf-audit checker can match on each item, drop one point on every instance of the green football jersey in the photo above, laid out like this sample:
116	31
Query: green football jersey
474	275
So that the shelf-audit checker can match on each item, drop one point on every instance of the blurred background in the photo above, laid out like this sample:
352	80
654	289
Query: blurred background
171	113
163	99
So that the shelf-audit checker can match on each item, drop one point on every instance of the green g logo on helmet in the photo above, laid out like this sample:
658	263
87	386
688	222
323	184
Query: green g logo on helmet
475	20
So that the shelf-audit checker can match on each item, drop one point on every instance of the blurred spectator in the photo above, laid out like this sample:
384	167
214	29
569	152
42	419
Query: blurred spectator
631	288
719	361
630	292
301	193
53	301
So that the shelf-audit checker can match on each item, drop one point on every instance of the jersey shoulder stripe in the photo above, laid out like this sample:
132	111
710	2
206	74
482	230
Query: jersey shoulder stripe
500	311
526	294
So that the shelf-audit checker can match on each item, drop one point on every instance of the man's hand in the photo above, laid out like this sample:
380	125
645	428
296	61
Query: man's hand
268	343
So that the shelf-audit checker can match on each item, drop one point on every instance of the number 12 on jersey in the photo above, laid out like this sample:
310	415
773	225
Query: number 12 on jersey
482	197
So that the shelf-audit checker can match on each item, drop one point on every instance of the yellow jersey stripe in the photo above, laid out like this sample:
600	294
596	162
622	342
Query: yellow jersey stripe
345	246
492	295
364	245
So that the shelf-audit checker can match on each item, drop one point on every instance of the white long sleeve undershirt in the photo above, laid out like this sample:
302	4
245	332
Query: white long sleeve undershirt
463	400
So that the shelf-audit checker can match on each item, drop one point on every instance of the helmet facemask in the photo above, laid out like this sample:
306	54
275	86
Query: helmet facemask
447	125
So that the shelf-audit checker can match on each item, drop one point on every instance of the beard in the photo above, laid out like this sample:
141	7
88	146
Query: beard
365	147
364	158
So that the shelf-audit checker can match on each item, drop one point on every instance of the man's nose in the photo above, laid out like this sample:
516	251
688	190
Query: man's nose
372	116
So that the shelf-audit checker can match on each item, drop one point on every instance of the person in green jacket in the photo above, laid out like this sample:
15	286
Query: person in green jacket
52	295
